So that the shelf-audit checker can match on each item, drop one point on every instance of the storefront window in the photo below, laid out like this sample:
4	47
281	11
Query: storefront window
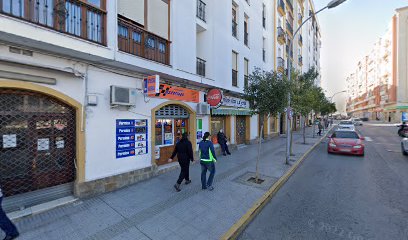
217	123
164	132
272	122
181	127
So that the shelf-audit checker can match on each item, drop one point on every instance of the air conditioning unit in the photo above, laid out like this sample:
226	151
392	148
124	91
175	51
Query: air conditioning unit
122	96
203	109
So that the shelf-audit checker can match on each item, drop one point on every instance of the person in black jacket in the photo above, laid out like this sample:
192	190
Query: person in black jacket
222	140
184	151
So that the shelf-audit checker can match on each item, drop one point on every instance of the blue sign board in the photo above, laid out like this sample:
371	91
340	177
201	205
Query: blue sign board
131	137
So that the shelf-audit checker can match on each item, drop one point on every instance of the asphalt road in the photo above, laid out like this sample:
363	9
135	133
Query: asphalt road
342	197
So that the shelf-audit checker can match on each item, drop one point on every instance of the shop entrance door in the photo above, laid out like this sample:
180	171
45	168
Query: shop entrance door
240	129
37	148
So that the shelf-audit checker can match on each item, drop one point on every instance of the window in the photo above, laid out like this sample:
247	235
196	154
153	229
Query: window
234	21
217	123
246	72
263	16
164	132
263	50
246	34
234	69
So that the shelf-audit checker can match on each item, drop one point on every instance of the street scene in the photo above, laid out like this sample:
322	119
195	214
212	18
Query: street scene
203	119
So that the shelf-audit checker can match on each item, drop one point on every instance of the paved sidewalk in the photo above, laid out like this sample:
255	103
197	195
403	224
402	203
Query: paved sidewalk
153	210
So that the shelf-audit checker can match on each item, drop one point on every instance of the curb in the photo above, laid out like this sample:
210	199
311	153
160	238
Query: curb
241	224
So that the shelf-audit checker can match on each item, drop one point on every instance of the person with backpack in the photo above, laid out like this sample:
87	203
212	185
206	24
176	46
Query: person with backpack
207	161
5	223
184	151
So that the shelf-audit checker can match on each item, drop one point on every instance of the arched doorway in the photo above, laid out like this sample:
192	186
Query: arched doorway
170	121
37	147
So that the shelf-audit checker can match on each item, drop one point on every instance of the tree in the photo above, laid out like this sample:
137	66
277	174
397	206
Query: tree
267	94
303	95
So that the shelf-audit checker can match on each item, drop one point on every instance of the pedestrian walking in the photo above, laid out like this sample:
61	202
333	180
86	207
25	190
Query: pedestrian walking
207	162
320	126
184	151
5	223
222	140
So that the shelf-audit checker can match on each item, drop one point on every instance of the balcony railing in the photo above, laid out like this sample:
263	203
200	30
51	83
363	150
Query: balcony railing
201	10
246	38
300	18
289	28
300	60
137	41
281	7
72	17
280	64
234	78
290	5
281	36
201	67
234	28
300	40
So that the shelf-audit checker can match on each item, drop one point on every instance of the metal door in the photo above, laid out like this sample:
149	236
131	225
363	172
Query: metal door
241	130
37	142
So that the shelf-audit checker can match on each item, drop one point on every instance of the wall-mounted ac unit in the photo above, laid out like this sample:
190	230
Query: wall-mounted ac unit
203	109
122	96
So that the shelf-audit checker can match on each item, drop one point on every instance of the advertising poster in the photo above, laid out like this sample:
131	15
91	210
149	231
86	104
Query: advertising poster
131	137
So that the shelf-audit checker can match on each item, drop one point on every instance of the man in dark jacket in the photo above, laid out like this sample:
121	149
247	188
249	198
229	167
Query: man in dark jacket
6	225
222	140
184	151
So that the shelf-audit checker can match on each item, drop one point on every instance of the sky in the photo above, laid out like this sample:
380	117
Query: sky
348	34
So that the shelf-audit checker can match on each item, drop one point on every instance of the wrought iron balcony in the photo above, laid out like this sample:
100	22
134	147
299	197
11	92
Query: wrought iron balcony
281	7
300	18
201	67
289	4
300	40
72	17
137	41
281	36
289	28
201	10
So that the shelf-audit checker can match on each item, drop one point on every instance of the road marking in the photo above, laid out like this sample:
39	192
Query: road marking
368	139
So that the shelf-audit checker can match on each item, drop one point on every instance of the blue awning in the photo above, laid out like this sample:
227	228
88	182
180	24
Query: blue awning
231	111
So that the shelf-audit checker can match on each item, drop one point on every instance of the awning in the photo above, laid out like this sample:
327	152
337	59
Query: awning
231	111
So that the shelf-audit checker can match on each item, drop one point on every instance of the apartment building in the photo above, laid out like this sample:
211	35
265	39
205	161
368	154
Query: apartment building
377	89
95	93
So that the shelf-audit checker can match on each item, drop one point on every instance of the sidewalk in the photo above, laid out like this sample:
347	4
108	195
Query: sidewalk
154	210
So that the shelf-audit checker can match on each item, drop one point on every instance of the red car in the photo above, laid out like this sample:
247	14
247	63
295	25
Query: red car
346	141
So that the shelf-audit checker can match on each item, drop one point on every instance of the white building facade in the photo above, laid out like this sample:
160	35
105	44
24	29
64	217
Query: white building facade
79	117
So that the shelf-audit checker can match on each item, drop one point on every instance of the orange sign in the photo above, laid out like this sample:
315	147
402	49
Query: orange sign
151	84
176	93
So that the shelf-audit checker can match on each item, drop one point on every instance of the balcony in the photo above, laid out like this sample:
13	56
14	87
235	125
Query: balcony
300	40
300	60
281	8
289	4
234	78
234	29
71	17
300	18
289	28
281	36
201	67
139	42
201	10
280	65
288	52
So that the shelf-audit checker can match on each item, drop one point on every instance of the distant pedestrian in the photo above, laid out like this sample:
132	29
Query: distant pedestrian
207	160
184	151
5	223
222	140
320	126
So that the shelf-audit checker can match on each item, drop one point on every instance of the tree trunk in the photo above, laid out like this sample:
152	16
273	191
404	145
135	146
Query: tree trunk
304	129
314	125
259	154
291	137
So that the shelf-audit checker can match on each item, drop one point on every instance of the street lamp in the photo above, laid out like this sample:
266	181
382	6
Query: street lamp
332	4
331	98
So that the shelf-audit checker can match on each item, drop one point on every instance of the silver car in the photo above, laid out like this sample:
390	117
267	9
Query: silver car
404	146
348	124
357	122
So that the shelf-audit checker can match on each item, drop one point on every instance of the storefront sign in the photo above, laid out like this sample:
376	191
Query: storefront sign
176	93
214	98
131	137
151	84
235	102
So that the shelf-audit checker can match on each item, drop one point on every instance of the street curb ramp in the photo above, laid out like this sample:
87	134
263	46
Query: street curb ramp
243	222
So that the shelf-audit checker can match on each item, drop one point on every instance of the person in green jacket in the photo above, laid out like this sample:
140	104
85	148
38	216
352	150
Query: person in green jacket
207	160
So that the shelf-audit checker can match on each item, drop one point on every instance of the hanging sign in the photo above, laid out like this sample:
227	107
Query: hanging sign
176	93
214	98
151	84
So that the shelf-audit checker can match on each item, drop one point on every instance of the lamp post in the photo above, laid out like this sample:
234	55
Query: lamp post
331	98
332	4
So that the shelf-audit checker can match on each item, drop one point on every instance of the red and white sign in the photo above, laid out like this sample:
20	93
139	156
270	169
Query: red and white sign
214	98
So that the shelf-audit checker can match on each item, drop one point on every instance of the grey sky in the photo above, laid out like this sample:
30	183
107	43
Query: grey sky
348	33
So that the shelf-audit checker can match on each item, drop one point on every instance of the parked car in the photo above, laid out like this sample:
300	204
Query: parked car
348	124
357	121
404	146
347	142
